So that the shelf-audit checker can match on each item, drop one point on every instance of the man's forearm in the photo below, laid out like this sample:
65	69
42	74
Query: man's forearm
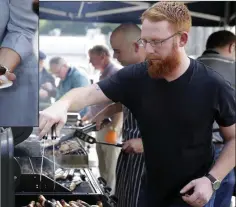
74	99
78	98
226	162
9	58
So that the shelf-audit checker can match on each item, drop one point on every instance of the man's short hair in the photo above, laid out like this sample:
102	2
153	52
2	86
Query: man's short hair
220	39
42	55
176	13
55	60
99	50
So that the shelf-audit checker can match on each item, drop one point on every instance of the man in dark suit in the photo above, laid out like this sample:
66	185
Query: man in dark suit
46	82
220	55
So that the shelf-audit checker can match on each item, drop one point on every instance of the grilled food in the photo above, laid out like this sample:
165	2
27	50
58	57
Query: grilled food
43	202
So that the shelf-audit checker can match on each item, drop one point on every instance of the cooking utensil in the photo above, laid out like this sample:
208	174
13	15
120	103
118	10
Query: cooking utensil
91	140
42	158
81	131
53	137
86	128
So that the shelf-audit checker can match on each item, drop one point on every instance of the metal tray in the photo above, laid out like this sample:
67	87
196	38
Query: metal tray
75	157
91	191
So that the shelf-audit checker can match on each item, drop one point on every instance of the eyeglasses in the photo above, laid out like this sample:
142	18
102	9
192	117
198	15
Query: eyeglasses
155	43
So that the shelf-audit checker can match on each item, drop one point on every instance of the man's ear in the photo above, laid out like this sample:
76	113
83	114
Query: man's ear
183	39
232	48
136	46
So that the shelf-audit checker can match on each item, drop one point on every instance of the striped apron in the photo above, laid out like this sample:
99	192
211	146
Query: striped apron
130	167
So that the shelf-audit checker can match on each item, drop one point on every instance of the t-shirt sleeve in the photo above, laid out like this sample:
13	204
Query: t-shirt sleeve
225	105
121	85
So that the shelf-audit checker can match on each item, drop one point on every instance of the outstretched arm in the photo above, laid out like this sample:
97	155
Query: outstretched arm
75	100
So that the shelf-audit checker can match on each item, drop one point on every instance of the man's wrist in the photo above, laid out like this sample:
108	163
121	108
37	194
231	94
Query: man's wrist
66	103
214	181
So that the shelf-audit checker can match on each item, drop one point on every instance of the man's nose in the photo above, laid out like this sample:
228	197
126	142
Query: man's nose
149	48
114	55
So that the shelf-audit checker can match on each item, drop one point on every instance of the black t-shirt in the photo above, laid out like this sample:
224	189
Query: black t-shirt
175	119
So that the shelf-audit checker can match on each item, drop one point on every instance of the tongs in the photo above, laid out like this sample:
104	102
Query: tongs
91	140
53	137
86	128
80	133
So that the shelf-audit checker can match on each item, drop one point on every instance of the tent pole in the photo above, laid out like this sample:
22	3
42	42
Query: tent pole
226	14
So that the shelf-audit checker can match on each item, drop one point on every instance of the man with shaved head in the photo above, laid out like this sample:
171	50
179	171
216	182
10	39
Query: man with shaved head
130	170
124	43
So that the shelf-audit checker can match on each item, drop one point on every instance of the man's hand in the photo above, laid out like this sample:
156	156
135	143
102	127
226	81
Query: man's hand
43	93
55	114
84	120
133	146
202	192
47	86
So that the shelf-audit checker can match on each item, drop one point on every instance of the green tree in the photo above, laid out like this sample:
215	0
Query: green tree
73	28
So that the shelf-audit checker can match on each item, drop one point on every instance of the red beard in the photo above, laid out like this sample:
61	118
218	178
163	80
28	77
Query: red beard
162	67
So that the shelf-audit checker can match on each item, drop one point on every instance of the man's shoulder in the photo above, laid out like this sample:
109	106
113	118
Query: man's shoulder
212	57
112	69
78	72
224	66
136	71
208	75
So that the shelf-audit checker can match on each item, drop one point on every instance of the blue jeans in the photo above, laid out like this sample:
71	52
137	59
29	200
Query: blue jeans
142	200
225	192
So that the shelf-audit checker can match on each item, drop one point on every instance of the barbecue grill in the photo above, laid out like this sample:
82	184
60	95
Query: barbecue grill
23	172
89	190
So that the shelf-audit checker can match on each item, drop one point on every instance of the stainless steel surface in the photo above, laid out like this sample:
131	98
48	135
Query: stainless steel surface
72	161
73	157
6	166
76	156
33	167
30	171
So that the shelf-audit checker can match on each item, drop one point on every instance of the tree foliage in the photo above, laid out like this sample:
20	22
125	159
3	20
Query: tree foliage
73	28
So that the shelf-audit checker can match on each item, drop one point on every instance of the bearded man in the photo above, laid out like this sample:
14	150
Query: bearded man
175	100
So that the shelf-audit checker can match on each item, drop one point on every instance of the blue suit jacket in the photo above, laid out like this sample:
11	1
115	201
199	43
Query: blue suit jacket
18	24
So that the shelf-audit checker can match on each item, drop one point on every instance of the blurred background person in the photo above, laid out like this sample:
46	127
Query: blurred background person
19	102
220	55
70	77
47	85
99	57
